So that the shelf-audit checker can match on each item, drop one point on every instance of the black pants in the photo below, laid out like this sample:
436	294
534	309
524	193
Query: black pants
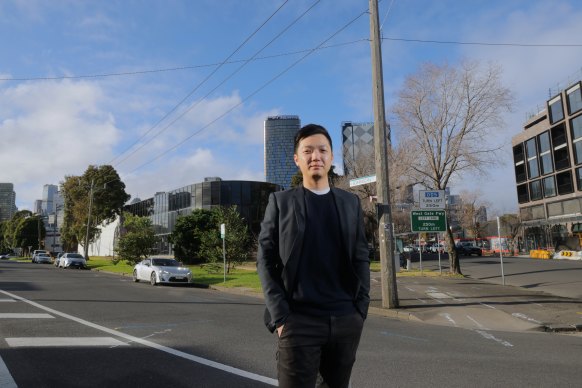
309	345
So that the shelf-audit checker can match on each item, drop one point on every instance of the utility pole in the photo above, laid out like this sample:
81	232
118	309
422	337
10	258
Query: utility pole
388	270
89	220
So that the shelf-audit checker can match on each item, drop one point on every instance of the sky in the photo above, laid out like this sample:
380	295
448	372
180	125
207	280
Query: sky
172	91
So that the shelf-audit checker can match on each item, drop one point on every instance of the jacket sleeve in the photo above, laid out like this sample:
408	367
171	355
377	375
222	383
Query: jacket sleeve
361	263
270	267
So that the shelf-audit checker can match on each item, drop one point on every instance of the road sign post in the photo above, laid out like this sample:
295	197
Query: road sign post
430	221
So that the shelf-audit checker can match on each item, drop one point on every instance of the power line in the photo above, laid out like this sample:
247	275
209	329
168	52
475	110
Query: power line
221	83
203	81
169	69
484	43
280	74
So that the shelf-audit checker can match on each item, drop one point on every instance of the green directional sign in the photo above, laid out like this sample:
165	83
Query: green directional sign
428	221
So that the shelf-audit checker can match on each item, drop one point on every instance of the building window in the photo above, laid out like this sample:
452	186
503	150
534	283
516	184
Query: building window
519	161
535	190
564	183
532	160
556	110
574	96
522	194
546	166
579	178
576	131
549	186
571	206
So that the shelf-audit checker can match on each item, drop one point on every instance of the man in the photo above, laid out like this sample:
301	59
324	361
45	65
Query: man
314	268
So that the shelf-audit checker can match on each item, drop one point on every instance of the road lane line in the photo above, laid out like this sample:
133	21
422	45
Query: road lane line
486	305
7	300
24	316
448	317
476	323
6	380
166	349
34	342
525	317
492	337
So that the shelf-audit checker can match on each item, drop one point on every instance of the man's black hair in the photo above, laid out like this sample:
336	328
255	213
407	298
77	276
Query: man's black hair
310	130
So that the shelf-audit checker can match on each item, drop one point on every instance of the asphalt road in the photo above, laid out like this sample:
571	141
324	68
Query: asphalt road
78	328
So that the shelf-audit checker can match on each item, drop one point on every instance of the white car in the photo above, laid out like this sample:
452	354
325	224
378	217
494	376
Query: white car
69	260
161	270
42	258
36	252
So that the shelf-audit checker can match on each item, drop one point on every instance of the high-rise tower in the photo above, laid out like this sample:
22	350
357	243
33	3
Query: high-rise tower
279	134
7	201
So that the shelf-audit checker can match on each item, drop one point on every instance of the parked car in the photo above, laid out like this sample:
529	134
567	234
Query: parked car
58	258
4	257
36	252
42	258
161	270
69	260
468	250
409	249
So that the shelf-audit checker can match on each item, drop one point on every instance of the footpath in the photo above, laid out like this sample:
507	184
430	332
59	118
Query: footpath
529	300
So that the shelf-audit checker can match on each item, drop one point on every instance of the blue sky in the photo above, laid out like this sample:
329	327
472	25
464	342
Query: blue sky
83	81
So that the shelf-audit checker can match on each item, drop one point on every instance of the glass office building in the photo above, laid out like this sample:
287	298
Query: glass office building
165	207
7	201
547	160
279	135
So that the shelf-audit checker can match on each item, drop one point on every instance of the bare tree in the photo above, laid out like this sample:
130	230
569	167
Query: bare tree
512	226
363	165
471	211
446	113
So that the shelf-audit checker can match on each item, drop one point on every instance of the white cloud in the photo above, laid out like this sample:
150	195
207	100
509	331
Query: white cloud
51	129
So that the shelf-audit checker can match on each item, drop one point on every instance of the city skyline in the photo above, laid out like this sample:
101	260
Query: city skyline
89	83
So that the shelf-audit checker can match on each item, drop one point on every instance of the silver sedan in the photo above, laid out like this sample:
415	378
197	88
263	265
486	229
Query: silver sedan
161	270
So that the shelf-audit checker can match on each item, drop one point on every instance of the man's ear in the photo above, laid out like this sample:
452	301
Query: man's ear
295	160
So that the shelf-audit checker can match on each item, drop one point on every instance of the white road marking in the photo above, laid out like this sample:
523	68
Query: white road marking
486	305
492	337
177	353
476	323
523	316
448	317
24	316
438	295
7	300
34	342
6	380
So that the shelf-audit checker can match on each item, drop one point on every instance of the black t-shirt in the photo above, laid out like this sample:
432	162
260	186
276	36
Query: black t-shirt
322	278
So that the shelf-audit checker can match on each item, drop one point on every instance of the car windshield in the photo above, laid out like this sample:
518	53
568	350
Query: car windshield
165	263
75	256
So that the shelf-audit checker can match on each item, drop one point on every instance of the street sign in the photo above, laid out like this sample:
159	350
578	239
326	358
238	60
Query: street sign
428	221
363	180
431	199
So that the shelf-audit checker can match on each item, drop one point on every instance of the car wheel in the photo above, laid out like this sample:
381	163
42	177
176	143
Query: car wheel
135	279
153	281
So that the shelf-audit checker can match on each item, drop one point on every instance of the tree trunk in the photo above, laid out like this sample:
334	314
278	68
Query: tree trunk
454	264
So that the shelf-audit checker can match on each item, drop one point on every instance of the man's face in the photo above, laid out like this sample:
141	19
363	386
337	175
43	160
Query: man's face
314	157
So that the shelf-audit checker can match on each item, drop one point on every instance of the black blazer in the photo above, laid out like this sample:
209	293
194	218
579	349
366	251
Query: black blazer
281	240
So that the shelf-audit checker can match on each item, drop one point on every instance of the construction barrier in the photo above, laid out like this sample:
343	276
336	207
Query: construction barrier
568	255
540	254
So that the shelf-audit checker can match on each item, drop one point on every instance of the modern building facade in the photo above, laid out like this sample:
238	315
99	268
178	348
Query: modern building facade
547	159
357	142
279	133
49	194
164	208
7	201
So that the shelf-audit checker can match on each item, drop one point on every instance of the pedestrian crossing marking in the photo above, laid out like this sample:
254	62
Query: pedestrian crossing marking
24	315
36	342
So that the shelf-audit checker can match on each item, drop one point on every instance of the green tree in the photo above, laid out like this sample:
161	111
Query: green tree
238	242
99	191
187	235
4	246
137	241
26	232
